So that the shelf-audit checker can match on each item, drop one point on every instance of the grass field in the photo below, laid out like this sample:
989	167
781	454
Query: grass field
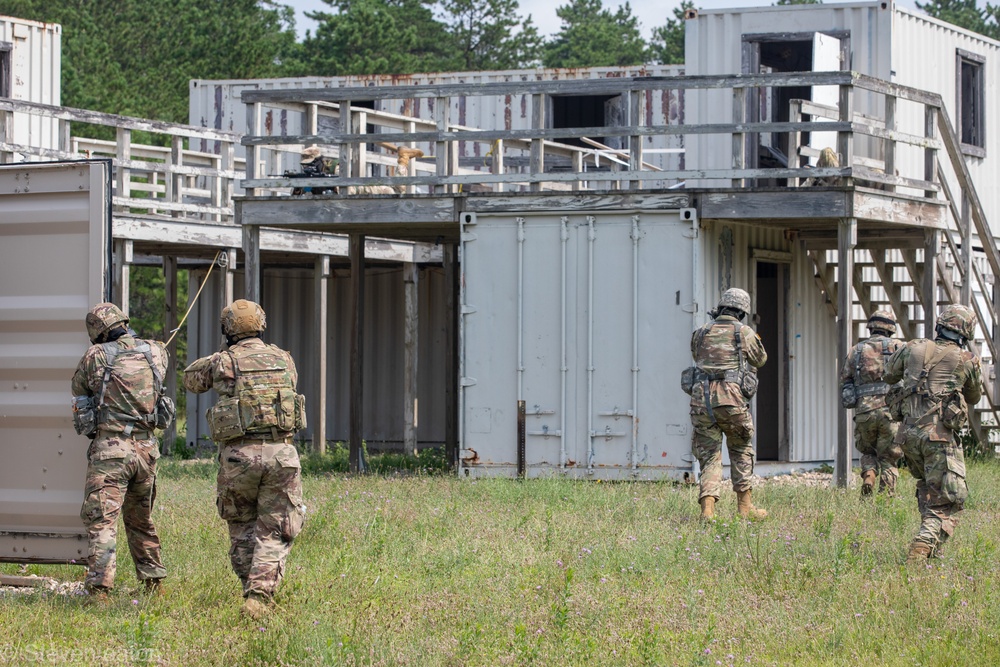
432	570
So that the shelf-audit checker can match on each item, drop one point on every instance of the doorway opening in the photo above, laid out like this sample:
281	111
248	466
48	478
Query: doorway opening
771	281
572	111
789	52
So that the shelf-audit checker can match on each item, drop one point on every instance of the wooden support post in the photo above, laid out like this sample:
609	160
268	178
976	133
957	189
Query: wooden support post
930	281
175	182
228	165
930	153
739	138
170	319
321	290
122	258
228	261
255	122
538	102
65	136
890	144
357	252
411	321
847	239
451	382
578	169
497	166
123	151
966	251
996	337
635	141
845	139
346	151
251	259
441	161
794	140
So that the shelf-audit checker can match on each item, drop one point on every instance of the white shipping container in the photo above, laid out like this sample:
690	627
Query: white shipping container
30	70
64	217
586	318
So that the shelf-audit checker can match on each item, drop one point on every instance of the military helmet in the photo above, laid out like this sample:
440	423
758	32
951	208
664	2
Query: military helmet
735	298
241	318
882	320
310	154
102	318
959	319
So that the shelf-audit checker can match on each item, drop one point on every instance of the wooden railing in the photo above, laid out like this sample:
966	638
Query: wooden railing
164	173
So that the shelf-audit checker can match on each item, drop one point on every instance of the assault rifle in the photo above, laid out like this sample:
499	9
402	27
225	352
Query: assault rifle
318	168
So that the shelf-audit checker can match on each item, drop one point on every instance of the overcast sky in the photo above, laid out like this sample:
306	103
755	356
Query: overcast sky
651	13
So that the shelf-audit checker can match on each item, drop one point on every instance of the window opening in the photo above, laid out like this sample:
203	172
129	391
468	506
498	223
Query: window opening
6	76
971	98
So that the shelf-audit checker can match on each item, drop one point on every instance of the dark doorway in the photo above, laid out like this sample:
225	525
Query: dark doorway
772	397
587	111
6	77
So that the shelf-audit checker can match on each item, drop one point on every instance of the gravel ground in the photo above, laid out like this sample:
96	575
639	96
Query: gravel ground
45	586
801	479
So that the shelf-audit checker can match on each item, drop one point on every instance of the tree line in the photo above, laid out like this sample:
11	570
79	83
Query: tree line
136	57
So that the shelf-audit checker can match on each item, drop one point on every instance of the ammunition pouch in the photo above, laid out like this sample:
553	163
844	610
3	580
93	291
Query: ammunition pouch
848	395
748	384
164	412
689	377
225	422
954	411
85	415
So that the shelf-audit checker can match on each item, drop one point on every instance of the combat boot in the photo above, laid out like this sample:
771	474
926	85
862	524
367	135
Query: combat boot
746	508
919	552
97	595
707	508
868	482
153	587
255	607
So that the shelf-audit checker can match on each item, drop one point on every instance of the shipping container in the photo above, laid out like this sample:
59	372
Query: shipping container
55	231
30	66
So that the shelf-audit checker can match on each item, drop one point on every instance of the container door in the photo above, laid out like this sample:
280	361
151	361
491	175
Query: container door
55	235
587	319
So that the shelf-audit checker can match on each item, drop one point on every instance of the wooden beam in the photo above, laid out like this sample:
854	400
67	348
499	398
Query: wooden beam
823	275
411	322
170	320
122	255
228	262
848	229
321	292
930	282
251	262
356	438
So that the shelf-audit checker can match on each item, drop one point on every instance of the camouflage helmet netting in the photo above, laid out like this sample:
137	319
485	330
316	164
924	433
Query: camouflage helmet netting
882	320
243	317
736	298
959	319
102	318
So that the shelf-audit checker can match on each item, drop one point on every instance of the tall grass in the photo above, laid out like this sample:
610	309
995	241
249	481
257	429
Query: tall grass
432	570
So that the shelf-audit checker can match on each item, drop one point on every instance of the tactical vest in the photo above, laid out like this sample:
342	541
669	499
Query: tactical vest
928	396
90	412
871	366
264	403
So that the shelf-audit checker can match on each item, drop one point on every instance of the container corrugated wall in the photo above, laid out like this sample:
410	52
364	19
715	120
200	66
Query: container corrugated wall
36	62
714	45
287	297
216	103
924	52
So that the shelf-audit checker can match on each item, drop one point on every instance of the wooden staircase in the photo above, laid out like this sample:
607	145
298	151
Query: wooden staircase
964	268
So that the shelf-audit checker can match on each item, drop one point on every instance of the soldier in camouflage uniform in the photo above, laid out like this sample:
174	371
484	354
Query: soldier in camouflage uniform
939	381
121	460
722	351
259	485
863	388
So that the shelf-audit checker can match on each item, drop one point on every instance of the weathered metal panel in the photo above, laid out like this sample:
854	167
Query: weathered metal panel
289	303
36	61
924	54
54	239
581	316
216	103
714	45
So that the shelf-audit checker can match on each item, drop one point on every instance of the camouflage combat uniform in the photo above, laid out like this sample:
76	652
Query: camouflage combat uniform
121	468
724	410
874	431
953	381
259	491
